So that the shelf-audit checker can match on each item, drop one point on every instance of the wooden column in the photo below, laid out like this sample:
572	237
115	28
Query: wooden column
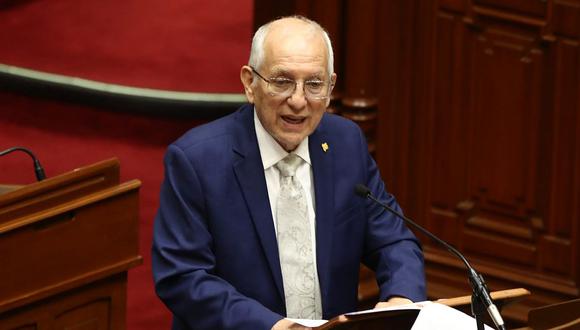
360	102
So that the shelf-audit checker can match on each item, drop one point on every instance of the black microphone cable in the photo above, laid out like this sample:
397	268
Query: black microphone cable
38	170
478	285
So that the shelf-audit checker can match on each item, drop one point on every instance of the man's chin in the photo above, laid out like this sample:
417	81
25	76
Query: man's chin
289	144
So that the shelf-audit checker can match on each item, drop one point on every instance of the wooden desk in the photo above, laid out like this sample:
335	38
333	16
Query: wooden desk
66	244
501	298
560	316
4	188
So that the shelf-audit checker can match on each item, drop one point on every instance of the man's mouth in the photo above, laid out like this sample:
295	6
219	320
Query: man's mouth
293	120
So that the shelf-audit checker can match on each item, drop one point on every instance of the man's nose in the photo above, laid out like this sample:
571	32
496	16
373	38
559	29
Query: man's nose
297	99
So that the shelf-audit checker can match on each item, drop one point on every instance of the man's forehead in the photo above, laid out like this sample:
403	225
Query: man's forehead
283	70
286	60
299	40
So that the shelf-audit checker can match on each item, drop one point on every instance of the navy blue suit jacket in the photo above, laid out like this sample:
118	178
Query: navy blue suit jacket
215	256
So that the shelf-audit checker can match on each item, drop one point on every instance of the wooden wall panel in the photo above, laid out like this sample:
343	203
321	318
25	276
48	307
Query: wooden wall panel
453	5
507	191
533	8
505	75
404	73
265	11
566	18
394	54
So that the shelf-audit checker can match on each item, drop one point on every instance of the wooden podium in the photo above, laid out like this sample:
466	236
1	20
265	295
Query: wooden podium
66	244
388	320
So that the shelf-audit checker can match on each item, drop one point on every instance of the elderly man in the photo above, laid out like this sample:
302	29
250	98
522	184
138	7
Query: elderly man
258	222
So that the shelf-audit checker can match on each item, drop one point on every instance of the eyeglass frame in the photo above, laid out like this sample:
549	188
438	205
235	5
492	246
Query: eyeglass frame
293	90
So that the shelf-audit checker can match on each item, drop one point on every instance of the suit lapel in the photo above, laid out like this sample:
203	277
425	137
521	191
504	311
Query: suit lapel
321	154
249	172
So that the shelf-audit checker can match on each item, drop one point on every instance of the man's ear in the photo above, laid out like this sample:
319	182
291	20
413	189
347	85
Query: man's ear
247	78
332	84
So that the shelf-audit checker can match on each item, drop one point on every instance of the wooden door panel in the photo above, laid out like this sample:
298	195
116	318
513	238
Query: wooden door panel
485	143
505	73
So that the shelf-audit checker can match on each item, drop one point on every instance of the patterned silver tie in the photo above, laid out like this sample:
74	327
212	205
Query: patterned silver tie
295	245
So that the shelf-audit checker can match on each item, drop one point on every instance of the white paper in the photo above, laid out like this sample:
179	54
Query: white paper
309	323
390	308
434	316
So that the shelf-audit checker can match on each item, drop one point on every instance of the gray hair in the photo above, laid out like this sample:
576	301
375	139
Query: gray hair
257	52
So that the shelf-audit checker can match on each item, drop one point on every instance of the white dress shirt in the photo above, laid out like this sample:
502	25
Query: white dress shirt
271	153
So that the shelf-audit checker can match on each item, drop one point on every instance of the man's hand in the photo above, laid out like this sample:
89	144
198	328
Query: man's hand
393	301
285	324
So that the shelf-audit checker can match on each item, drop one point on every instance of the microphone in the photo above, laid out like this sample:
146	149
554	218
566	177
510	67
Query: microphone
480	291
38	170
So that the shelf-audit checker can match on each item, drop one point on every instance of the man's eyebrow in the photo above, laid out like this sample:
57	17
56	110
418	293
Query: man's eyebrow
317	76
279	72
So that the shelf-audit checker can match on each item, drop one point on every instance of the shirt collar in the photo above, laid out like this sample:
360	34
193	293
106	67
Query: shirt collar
271	151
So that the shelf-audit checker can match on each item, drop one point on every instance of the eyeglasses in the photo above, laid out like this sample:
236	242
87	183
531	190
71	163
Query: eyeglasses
283	87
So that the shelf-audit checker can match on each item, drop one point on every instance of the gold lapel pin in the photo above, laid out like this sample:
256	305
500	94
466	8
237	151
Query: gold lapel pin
324	147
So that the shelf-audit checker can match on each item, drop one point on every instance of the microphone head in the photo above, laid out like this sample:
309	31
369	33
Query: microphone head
362	190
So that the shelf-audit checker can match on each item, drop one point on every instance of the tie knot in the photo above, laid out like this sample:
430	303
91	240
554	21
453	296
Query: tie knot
288	165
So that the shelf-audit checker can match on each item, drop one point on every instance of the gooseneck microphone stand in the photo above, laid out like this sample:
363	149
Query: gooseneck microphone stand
38	170
480	298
